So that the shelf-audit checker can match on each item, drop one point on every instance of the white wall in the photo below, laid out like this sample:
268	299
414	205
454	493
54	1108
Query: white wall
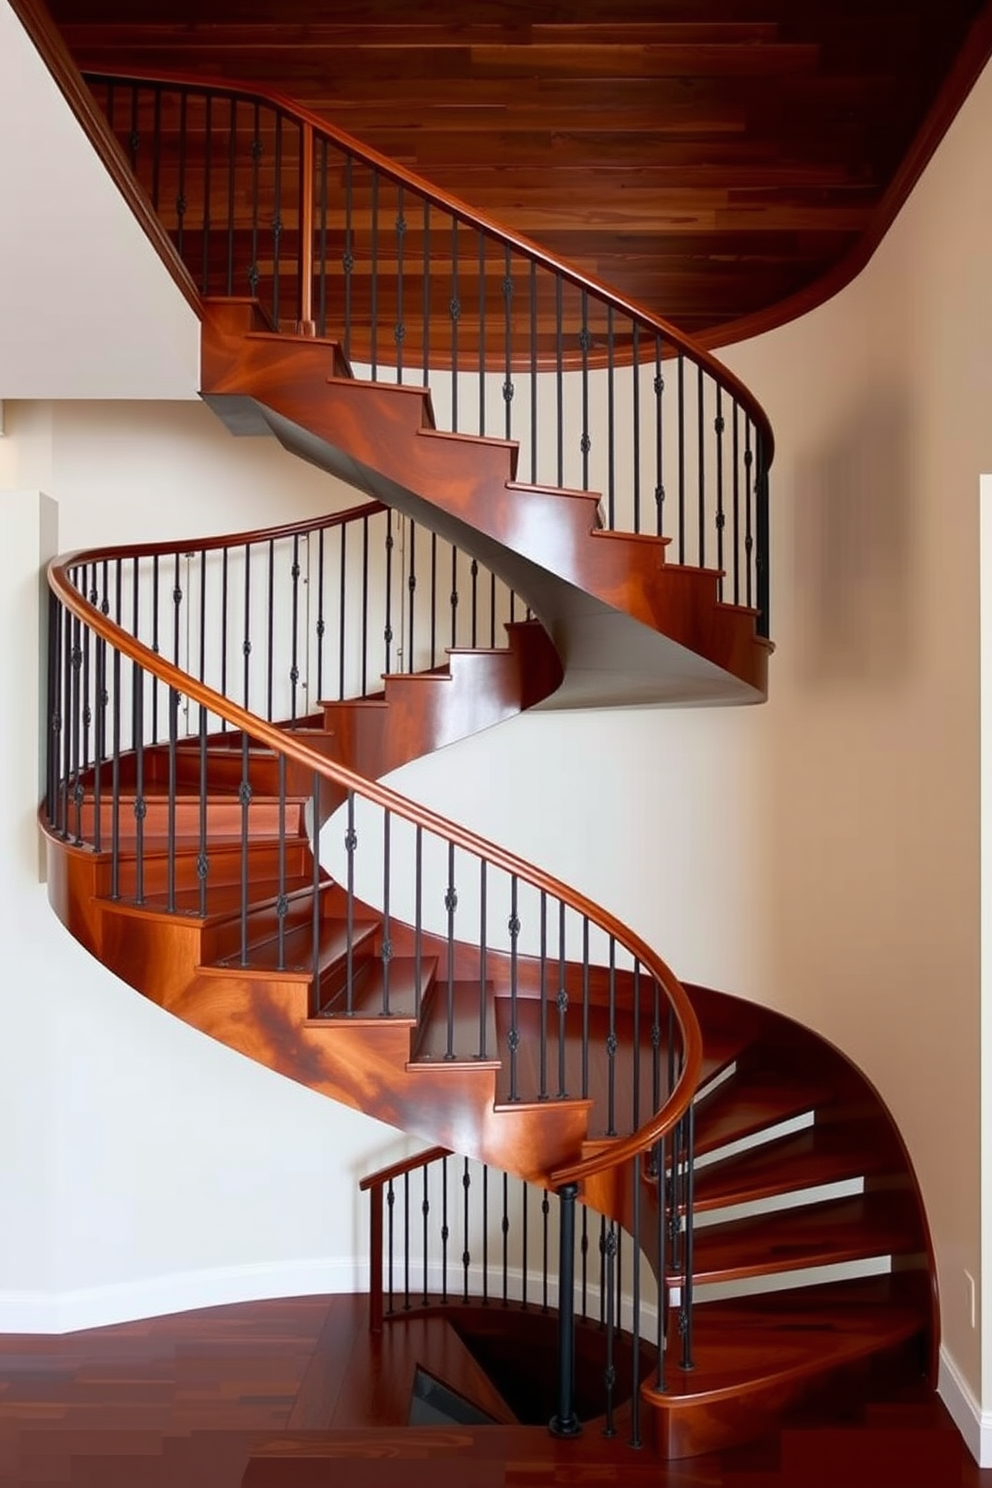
148	1168
820	854
86	308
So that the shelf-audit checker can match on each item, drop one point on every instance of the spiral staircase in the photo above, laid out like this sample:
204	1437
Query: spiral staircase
409	968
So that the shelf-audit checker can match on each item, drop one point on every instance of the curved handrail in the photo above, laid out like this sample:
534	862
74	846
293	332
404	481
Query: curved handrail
678	340
294	748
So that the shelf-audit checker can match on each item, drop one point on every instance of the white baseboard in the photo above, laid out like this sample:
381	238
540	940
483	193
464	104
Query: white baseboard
102	1306
974	1424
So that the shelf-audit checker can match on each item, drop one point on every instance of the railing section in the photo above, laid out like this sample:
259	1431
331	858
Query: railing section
446	1231
600	395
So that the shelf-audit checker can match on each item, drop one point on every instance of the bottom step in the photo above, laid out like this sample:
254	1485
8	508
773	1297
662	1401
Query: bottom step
756	1355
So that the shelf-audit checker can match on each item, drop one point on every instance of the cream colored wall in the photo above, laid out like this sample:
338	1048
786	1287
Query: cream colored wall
820	853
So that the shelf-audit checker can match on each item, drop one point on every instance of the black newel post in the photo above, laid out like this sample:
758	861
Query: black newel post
565	1422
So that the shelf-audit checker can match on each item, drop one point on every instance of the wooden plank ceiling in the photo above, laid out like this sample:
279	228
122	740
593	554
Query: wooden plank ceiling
707	157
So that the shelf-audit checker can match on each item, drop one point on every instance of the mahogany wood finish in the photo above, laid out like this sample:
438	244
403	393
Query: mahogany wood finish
737	154
545	542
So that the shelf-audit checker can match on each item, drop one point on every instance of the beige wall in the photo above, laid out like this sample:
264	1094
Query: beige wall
821	853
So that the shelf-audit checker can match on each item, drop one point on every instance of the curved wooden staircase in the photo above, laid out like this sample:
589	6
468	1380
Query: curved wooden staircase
508	1018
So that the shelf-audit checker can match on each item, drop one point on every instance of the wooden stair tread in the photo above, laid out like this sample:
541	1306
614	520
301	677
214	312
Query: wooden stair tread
368	997
430	1047
823	1234
224	899
826	1152
750	1342
298	949
751	1102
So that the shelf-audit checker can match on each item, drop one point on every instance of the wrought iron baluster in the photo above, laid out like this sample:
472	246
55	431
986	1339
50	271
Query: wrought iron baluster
659	438
171	808
406	1242
718	426
585	441
277	219
140	804
245	794
524	1190
454	596
270	611
483	988
748	506
533	376
202	860
418	934
561	1001
585	1007
342	609
505	1231
348	257
513	1037
294	661
390	1205
232	156
426	312
246	640
466	1253
388	632
365	605
322	240
736	499
485	1232
208	152
611	422
559	381
482	333
701	466
350	845
282	902
455	310
685	1312
115	785
661	1241
425	1209
450	905
543	1058
761	531
445	1232
374	279
609	1244
681	455
399	330
386	951
635	390
223	628
507	347
256	159
316	993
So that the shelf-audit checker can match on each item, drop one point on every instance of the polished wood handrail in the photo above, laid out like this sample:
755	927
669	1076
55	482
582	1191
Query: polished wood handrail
404	1166
293	748
308	121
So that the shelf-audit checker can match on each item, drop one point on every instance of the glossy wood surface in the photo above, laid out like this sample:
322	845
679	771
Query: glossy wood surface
737	152
297	1393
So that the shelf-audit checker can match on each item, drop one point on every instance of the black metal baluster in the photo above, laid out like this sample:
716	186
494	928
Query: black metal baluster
612	1045
418	896
411	587
282	902
513	1037
155	636
610	1373
348	257
342	609
232	148
156	147
455	310
99	740
701	467
492	611
585	1007
350	844
474	575
140	804
246	641
444	1229
223	629
636	399
208	147
524	1246
533	376
202	860
316	904
388	632
483	989
390	1281
718	426
426	314
181	197
543	1089
406	1242
454	596
685	1312
559	381
322	240
75	724
450	905
681	455
466	1253
545	1211
425	1209
761	532
203	619
270	615
386	952
505	1229
659	440
433	599
584	1252
277	220
53	800
636	1071
561	1001
321	627
115	786
256	160
662	1267
294	663
565	1421
374	277
737	502
508	347
485	1232
635	1388
611	424
482	333
748	495
171	808
399	330
585	442
245	795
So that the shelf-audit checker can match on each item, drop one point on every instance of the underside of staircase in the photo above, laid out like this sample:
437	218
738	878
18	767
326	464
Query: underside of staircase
782	1213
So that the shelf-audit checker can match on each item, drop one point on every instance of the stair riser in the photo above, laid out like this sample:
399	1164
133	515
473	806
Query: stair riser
223	819
224	867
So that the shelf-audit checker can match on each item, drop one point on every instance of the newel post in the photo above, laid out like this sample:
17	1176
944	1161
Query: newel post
565	1422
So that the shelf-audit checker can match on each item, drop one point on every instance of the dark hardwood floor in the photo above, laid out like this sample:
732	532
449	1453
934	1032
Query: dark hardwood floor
296	1393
